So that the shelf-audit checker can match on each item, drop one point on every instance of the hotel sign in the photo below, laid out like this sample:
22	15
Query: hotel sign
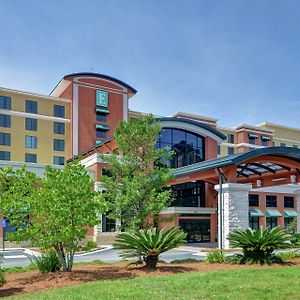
102	98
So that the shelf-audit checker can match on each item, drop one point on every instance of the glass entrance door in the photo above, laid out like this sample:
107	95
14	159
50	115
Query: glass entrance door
197	230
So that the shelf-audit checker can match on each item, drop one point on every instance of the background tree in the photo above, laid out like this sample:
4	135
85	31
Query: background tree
134	191
60	208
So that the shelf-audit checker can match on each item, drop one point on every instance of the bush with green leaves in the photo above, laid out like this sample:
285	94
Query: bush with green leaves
258	245
216	256
90	245
47	262
2	279
147	245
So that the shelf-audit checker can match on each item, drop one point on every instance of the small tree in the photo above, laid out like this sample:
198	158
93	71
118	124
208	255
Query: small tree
57	209
134	191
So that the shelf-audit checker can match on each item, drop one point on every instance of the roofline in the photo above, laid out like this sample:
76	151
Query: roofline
209	119
278	125
195	123
235	159
90	149
7	90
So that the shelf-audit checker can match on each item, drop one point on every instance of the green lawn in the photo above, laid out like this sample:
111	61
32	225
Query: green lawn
258	283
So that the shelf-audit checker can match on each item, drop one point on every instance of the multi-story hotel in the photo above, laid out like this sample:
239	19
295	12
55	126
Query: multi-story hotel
224	178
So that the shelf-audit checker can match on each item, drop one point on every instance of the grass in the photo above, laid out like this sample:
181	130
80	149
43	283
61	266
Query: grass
256	283
19	269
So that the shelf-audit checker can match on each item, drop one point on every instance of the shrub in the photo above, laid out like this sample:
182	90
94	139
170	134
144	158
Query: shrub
183	261
287	255
90	245
295	239
215	256
149	244
2	279
48	262
259	245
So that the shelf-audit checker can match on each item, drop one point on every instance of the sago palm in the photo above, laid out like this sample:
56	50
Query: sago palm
149	244
258	245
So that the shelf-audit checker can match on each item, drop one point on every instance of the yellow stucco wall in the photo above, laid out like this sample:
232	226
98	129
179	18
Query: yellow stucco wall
45	132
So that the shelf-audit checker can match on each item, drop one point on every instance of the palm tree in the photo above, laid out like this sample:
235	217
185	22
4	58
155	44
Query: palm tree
149	244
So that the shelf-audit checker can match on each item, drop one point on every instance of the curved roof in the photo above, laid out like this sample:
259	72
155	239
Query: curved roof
195	123
98	75
236	159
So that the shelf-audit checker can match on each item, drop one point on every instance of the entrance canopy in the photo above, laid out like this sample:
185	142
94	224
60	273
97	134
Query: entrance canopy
261	167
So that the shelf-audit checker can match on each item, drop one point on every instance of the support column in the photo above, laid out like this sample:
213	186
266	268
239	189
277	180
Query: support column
234	211
297	200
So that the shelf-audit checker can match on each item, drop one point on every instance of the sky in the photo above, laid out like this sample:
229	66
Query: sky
237	61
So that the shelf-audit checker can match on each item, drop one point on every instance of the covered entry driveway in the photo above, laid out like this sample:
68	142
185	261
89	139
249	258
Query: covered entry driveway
235	175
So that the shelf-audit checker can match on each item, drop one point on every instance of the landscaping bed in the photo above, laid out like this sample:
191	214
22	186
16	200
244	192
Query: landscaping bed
33	281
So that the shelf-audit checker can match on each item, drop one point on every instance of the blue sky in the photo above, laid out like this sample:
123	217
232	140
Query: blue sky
238	61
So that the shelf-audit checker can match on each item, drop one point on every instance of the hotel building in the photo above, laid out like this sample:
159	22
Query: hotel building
224	178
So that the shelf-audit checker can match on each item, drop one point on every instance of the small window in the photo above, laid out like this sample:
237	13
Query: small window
295	146
264	142
230	138
271	201
4	139
58	160
5	120
4	155
253	200
101	134
5	102
59	128
218	149
230	150
282	145
31	106
289	202
31	124
287	221
108	225
59	111
31	141
30	158
101	117
58	145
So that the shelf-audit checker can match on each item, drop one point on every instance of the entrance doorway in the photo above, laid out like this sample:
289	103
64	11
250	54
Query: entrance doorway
198	231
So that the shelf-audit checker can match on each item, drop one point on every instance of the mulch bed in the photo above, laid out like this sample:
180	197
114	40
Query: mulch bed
33	281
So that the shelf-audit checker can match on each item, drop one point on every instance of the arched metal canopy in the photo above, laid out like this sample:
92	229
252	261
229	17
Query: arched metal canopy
245	162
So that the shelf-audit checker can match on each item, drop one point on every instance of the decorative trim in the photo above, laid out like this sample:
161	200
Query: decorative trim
188	210
227	187
75	117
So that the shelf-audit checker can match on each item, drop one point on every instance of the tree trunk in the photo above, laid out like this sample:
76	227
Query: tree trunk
151	261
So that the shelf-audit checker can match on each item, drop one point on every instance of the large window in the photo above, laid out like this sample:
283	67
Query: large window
191	194
30	158
59	111
288	201
271	201
5	102
5	120
254	223
58	145
58	160
31	124
188	147
271	222
59	128
4	155
253	200
4	139
31	141
31	106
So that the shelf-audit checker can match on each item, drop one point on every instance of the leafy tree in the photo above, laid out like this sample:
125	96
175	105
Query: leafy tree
134	191
149	244
259	245
57	209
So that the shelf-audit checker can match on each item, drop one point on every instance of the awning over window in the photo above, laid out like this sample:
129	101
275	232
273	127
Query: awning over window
290	213
102	127
98	143
252	135
267	138
102	110
254	212
273	213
